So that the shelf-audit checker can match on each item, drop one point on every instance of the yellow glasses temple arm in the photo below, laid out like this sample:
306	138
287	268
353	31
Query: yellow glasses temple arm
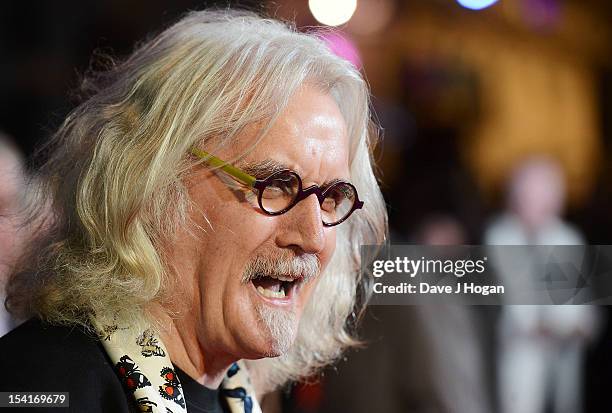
226	167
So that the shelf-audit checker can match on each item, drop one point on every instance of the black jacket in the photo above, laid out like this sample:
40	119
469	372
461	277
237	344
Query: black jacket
41	357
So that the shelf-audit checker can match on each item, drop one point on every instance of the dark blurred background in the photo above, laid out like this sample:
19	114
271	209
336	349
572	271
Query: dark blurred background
463	96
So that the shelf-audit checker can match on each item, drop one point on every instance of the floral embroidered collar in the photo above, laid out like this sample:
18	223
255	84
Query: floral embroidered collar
145	370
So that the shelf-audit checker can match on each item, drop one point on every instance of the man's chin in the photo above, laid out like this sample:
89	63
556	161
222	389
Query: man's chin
278	329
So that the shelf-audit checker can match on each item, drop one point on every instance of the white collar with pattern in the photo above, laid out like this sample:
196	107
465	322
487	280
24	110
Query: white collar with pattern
142	364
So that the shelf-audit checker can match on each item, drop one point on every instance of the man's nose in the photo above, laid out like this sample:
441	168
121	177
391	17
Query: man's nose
303	227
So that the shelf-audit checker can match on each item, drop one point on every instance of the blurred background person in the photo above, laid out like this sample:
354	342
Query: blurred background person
457	335
12	231
541	347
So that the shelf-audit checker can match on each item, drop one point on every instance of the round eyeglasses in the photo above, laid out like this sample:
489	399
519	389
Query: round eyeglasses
282	190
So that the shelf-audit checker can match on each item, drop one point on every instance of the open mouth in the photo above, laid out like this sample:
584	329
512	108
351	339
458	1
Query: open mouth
275	286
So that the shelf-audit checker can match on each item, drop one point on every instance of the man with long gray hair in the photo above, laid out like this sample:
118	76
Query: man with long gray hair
208	199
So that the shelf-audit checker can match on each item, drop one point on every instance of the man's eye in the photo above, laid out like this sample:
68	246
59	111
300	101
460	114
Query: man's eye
282	186
329	204
272	192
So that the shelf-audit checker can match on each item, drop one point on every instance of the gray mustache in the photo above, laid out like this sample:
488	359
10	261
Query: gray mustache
306	267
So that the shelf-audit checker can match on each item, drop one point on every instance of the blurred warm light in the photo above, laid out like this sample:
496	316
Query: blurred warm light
476	4
372	16
332	13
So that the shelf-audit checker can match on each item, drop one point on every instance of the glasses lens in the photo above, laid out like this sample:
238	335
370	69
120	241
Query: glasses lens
280	193
338	202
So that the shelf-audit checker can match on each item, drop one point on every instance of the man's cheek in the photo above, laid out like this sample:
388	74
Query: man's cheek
308	291
330	248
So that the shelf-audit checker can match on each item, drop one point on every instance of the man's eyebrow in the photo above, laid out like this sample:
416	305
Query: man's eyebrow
263	169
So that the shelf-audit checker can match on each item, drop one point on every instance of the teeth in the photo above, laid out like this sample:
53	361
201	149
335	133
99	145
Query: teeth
281	277
270	293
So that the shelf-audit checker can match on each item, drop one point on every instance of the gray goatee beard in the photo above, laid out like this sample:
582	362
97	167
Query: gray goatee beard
280	324
281	328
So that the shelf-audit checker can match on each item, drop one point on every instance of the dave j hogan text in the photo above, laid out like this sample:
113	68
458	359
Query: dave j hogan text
427	288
